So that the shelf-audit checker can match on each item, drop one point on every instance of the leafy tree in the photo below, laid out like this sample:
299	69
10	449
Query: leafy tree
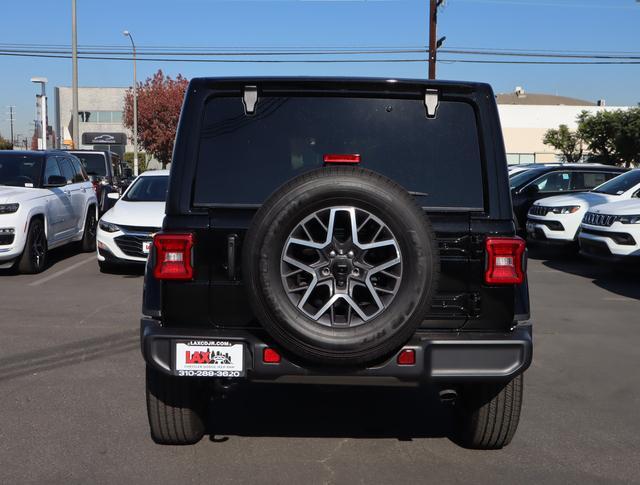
566	142
613	137
159	103
5	144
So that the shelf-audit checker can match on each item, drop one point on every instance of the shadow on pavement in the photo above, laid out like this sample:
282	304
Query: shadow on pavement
54	257
125	270
617	279
337	412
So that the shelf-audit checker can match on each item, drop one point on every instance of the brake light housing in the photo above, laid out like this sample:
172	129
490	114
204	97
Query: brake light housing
173	256
504	260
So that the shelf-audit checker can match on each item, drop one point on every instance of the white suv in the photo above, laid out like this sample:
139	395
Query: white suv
46	200
611	232
557	219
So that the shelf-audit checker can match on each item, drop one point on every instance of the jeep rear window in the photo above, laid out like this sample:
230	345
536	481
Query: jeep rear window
242	159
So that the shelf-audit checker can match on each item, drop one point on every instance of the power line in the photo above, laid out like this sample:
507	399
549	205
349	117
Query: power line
318	61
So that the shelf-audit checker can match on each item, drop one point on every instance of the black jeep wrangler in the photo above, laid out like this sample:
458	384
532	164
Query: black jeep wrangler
337	231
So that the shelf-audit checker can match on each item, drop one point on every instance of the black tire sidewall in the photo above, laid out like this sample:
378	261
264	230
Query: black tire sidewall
25	262
301	335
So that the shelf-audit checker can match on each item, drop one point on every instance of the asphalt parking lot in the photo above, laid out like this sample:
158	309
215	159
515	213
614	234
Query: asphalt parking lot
72	406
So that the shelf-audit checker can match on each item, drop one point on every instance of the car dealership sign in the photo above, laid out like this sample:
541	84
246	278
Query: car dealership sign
104	139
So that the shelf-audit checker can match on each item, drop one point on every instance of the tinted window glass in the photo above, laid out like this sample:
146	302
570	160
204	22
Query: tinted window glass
520	179
51	168
243	159
94	163
79	172
588	180
620	184
67	169
148	189
554	182
20	170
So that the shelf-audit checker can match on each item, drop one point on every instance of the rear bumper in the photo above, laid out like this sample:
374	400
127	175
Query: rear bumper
442	357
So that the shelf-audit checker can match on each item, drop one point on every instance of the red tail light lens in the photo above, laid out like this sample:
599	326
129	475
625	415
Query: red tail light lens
270	356
406	357
505	257
342	158
95	185
173	256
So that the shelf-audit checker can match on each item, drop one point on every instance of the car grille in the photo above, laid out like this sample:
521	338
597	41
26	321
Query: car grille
539	210
131	244
150	230
621	238
6	239
603	220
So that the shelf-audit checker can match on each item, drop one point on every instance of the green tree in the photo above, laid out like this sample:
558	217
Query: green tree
5	144
612	137
566	142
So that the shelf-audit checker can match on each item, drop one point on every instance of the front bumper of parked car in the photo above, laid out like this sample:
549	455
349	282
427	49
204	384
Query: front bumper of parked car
122	247
13	236
616	243
553	228
445	357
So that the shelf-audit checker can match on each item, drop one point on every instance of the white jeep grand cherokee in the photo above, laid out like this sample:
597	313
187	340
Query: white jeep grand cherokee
46	200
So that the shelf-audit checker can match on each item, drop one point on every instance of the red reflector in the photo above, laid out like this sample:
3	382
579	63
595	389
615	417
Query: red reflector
173	256
504	261
270	356
407	357
342	158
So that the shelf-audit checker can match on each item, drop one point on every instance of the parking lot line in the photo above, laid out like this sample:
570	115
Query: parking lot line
61	272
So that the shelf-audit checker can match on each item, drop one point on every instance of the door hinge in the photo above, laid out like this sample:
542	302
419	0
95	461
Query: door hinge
431	101
250	99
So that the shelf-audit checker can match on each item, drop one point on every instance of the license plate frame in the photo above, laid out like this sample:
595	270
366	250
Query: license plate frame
209	358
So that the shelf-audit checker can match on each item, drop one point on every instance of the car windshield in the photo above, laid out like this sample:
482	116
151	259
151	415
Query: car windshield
20	170
522	178
148	189
620	184
94	163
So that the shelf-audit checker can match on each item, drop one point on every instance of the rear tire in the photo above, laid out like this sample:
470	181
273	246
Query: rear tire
88	242
489	413
176	407
34	256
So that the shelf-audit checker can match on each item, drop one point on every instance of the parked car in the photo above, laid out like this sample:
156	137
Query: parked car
335	231
541	182
102	167
125	232
523	167
46	201
611	232
557	219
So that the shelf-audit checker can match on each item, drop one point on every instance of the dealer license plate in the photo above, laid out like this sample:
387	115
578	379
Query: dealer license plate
146	246
209	358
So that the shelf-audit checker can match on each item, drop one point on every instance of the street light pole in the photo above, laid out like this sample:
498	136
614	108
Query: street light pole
135	105
75	135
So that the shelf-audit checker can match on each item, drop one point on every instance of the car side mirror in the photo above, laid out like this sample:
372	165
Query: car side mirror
113	195
56	181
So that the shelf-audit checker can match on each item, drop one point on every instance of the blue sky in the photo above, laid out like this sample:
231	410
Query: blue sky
586	25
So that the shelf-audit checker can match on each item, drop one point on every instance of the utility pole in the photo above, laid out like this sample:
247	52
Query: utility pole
126	33
75	135
434	44
11	120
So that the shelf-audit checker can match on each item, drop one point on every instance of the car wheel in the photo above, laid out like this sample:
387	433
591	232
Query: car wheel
176	407
34	256
88	243
341	265
488	414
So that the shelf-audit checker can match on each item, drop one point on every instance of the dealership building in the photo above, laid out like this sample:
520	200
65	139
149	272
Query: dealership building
525	118
101	113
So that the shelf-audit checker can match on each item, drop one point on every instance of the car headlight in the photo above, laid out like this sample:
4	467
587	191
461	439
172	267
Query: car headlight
635	219
107	226
9	208
567	209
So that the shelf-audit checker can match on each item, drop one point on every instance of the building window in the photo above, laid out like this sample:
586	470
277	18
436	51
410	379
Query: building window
518	158
100	116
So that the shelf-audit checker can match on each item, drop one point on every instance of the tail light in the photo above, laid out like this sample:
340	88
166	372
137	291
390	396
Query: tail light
173	258
342	158
505	261
95	185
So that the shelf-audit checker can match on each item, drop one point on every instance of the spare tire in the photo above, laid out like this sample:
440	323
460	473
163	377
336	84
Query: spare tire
340	265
